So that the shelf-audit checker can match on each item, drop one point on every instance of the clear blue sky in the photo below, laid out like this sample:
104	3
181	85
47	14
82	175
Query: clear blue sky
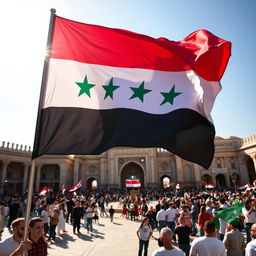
24	28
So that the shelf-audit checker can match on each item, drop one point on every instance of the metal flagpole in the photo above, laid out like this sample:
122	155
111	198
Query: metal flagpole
43	85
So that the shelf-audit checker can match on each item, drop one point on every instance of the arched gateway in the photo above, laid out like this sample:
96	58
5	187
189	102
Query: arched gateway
131	170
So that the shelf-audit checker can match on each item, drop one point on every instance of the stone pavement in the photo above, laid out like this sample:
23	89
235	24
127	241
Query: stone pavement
108	239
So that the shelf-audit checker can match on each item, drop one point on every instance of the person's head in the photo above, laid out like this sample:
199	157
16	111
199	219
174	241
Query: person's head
184	207
18	226
248	204
166	236
43	202
36	228
145	221
253	231
182	221
222	200
233	223
209	228
202	209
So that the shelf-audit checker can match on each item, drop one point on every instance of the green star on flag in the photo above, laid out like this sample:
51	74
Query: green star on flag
139	92
85	87
110	88
169	96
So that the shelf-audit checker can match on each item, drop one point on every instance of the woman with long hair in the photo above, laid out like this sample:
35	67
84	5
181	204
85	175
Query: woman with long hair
144	232
203	216
62	223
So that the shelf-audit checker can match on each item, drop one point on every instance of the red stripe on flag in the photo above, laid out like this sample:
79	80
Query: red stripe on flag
132	181
201	51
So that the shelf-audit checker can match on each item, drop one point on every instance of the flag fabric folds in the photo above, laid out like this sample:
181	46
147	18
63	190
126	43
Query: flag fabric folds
63	189
230	212
76	187
111	87
132	183
45	190
209	186
246	186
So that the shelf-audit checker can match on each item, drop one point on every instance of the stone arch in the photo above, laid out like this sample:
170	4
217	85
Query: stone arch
250	169
162	180
221	180
130	169
14	178
91	183
50	176
206	179
234	180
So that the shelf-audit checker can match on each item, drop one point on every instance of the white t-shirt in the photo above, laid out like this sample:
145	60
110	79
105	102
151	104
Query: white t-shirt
164	252
171	214
251	248
223	223
207	246
249	218
45	215
144	232
161	215
8	246
89	214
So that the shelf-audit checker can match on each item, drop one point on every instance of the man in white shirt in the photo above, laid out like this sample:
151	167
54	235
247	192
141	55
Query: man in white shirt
207	245
161	218
251	246
167	250
13	243
172	214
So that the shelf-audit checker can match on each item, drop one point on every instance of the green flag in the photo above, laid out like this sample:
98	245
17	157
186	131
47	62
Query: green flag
230	212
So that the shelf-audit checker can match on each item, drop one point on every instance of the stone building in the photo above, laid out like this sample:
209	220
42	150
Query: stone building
234	163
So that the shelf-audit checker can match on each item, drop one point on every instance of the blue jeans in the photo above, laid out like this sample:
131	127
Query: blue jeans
89	224
194	229
201	231
52	231
171	225
248	232
145	244
161	224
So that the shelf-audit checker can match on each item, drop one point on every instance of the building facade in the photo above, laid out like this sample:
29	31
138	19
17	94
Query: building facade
234	163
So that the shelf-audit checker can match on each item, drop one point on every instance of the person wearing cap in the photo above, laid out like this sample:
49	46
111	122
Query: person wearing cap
233	239
251	246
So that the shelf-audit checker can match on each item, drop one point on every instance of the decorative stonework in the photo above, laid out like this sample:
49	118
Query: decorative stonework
231	156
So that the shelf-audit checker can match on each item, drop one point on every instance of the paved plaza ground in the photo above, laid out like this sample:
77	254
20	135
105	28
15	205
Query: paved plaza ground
108	239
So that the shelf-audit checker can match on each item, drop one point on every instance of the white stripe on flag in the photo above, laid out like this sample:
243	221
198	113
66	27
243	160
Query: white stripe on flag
62	90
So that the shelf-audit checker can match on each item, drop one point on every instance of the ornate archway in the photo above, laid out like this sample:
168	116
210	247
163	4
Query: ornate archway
206	179
132	170
221	180
165	181
91	184
251	169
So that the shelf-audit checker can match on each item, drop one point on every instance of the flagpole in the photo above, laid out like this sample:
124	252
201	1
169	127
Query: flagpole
42	92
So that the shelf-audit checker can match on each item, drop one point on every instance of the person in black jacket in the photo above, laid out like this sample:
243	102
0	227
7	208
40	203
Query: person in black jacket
70	204
76	216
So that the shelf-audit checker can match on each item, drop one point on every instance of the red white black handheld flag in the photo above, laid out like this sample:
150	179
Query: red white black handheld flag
44	191
77	186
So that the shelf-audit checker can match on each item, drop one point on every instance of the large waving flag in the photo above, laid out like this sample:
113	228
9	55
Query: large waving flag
76	187
230	212
111	87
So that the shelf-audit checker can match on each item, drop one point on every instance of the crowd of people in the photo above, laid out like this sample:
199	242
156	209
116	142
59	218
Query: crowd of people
179	217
